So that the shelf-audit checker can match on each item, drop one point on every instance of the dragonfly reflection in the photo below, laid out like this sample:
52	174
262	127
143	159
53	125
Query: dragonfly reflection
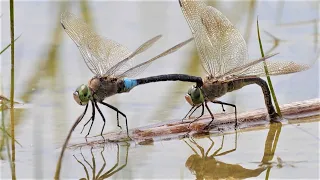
205	166
102	173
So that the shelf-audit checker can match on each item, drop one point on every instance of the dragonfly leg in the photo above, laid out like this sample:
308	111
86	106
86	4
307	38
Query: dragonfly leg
187	113
86	124
198	116
194	111
223	108
117	110
104	120
207	126
228	104
82	115
118	121
93	116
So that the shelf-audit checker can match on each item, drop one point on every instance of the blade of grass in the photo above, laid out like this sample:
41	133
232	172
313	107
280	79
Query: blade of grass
9	44
5	138
267	74
4	106
5	132
13	144
2	126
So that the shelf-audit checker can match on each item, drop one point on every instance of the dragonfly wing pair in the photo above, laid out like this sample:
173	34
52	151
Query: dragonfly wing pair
105	57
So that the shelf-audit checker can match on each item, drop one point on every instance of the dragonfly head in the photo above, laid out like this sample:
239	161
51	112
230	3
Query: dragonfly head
82	95
194	96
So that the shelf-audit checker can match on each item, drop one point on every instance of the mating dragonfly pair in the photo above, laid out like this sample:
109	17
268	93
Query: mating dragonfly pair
221	48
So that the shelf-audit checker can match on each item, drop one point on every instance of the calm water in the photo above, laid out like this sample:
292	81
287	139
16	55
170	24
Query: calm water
49	67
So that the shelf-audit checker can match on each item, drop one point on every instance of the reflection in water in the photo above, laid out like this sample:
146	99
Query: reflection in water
271	145
102	173
206	166
271	142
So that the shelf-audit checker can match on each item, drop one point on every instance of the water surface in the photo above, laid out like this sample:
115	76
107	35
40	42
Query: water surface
49	67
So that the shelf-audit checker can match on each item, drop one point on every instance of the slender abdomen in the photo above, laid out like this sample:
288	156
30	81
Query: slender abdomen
171	77
127	84
216	88
243	81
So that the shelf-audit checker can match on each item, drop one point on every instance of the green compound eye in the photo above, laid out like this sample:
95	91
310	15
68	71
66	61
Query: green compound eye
194	96
82	95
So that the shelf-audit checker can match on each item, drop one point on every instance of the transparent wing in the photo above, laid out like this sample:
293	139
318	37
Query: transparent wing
141	67
245	67
99	53
76	28
274	68
220	45
142	48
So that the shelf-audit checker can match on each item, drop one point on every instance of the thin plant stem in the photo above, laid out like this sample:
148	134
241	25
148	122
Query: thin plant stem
9	45
267	74
13	154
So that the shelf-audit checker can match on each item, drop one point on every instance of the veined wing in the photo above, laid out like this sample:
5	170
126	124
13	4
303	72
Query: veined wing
99	53
220	45
142	48
278	67
191	11
274	68
140	67
245	67
76	28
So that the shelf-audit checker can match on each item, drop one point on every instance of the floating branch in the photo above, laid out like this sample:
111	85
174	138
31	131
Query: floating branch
224	122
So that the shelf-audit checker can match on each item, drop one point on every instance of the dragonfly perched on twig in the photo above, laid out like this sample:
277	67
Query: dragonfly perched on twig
224	56
109	61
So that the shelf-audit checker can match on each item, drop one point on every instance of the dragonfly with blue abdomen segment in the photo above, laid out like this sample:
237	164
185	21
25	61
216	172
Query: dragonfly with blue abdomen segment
110	63
224	56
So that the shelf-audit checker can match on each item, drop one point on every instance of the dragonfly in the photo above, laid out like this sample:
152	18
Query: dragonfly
111	64
224	56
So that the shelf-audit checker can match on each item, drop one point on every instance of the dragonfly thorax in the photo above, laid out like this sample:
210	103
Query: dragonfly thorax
103	87
210	78
213	88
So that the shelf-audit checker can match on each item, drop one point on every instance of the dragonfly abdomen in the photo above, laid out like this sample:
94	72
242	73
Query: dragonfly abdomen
171	77
243	81
128	84
216	88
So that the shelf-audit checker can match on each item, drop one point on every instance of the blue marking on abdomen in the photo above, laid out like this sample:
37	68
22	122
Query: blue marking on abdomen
129	83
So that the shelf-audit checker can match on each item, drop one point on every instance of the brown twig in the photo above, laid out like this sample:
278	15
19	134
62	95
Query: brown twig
223	122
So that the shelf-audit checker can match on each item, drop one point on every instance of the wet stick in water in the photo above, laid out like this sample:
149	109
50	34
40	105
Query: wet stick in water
58	167
267	73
